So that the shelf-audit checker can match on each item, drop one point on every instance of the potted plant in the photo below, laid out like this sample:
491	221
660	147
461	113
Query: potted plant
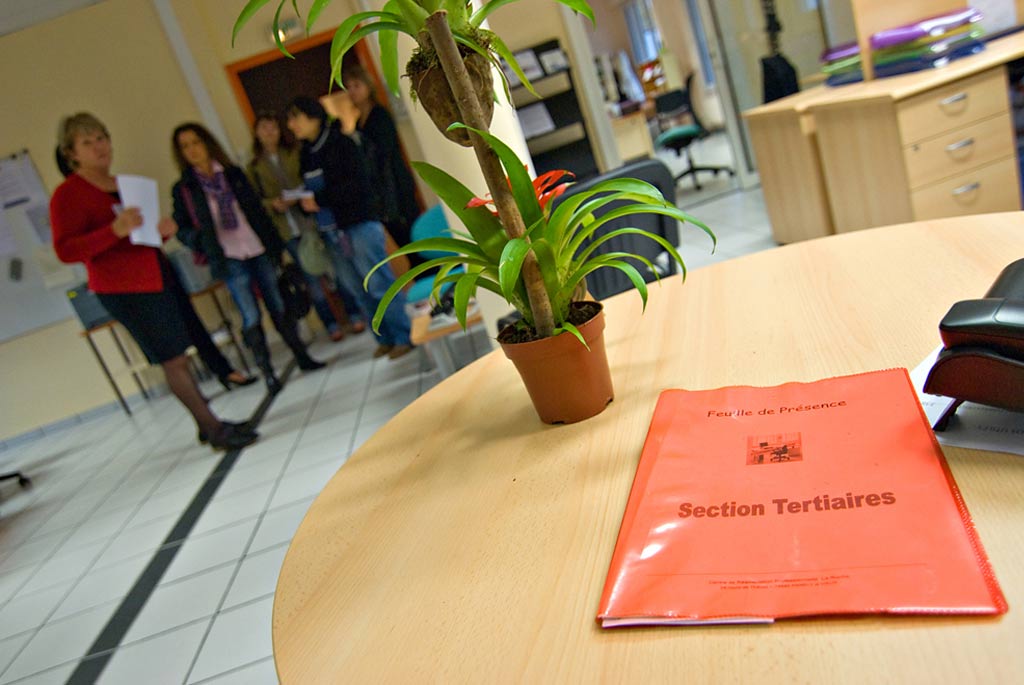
535	257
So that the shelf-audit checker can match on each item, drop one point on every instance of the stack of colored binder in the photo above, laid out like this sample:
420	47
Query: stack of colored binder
926	44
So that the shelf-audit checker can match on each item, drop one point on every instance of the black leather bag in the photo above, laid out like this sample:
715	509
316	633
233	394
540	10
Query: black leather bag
294	291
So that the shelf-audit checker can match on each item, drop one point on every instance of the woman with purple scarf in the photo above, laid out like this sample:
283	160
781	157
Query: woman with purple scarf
220	215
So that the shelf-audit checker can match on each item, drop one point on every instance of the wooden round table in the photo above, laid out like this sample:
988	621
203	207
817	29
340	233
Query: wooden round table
466	542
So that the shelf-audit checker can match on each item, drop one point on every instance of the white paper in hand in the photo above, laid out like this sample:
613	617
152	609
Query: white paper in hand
142	192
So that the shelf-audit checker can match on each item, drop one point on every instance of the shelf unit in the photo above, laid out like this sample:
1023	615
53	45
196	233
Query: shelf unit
568	146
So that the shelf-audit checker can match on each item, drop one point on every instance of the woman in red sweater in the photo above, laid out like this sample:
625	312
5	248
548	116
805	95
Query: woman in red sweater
135	283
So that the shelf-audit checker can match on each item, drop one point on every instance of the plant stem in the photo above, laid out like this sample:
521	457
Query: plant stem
472	115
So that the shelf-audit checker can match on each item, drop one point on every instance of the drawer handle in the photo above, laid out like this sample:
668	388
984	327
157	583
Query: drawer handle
953	99
967	188
966	142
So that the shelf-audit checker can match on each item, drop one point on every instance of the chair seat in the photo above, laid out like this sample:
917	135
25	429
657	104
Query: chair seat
678	135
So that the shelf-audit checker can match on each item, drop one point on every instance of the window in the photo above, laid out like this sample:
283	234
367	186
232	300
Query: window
643	31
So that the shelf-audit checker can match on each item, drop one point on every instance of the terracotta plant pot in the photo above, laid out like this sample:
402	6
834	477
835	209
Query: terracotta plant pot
566	382
431	89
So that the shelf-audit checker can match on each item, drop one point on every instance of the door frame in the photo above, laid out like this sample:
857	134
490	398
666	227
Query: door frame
235	68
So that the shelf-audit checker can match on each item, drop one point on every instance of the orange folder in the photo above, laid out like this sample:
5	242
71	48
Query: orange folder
832	497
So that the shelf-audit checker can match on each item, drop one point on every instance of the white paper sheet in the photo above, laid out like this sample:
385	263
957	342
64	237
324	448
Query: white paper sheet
997	15
974	426
142	192
295	193
535	120
528	62
8	245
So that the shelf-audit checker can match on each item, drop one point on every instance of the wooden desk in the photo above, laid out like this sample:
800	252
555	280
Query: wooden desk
925	145
467	543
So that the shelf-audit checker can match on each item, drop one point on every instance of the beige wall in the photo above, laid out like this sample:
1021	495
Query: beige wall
610	34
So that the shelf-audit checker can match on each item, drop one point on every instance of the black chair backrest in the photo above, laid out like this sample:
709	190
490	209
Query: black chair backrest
610	281
677	102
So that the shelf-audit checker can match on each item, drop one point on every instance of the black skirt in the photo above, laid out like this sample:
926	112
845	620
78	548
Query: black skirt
154	320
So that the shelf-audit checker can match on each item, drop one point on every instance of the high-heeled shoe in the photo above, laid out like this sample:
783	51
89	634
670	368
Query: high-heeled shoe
232	379
232	437
242	427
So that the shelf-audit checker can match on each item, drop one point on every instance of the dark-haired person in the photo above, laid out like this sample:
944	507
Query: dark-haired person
220	215
334	168
275	168
396	189
135	283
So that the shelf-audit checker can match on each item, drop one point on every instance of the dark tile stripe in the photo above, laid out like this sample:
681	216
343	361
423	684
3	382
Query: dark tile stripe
99	654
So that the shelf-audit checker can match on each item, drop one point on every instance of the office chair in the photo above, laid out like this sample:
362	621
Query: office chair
22	480
679	138
430	224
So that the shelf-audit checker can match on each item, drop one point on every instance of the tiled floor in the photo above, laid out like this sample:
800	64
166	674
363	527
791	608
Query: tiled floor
109	491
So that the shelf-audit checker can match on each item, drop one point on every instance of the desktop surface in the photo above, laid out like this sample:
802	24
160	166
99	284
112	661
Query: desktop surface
467	542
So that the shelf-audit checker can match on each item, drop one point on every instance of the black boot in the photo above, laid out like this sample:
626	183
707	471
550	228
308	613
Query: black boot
256	341
286	326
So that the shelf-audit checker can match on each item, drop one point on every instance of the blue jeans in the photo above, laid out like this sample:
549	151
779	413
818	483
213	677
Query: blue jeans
316	293
354	251
241	276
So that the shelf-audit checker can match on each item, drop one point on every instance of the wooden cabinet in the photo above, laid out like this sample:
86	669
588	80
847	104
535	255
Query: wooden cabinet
945	151
924	145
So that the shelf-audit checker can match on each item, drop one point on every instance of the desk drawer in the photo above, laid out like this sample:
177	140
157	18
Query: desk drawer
992	188
953	106
957	151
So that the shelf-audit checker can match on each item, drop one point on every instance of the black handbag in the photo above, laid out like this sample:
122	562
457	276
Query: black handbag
294	291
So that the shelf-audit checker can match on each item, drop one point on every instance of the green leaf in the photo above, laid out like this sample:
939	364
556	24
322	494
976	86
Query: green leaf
578	6
355	37
522	185
389	60
414	14
277	33
549	272
611	235
569	328
251	8
399	283
485	228
498	45
314	13
465	288
624	188
615	263
511	264
670	211
464	39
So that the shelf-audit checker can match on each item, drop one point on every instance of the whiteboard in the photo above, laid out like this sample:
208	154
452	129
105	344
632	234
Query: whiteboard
32	280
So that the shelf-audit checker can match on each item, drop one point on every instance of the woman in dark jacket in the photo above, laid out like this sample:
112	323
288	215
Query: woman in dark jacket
334	168
393	181
220	215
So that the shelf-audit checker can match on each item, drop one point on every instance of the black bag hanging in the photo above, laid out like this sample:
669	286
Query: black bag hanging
294	291
777	74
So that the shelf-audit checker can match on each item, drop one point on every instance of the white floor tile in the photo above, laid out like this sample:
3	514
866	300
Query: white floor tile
163	660
59	642
174	604
10	647
334	449
98	527
231	508
303	484
64	566
103	585
166	504
260	673
238	637
279	526
26	612
32	552
213	549
12	581
264	471
53	676
137	540
257	576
